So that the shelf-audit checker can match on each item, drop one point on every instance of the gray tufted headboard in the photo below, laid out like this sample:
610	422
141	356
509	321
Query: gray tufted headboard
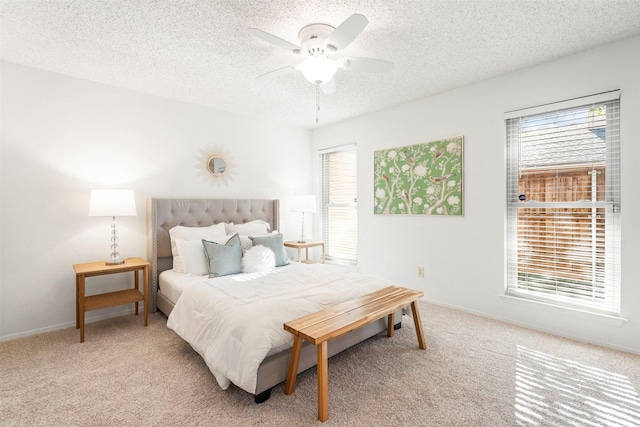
164	214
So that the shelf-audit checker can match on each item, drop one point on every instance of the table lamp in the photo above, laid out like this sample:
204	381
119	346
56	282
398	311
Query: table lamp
113	203
303	203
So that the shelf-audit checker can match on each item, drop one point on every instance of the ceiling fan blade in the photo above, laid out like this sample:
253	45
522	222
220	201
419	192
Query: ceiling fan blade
365	65
279	71
329	87
346	32
275	40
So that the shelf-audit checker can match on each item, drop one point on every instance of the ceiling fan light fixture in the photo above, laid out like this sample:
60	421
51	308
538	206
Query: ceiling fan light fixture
318	70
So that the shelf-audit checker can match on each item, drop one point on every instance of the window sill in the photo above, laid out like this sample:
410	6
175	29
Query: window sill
609	319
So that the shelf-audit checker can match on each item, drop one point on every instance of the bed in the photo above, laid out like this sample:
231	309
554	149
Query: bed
165	214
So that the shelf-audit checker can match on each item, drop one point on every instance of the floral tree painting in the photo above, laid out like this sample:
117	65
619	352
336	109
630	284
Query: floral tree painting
421	179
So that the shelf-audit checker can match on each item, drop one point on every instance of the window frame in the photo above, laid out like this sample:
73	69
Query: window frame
326	206
611	302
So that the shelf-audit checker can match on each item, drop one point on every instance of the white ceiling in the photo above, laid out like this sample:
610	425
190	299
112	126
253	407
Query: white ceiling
199	51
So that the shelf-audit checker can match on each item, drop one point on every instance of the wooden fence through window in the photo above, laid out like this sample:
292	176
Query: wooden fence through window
562	244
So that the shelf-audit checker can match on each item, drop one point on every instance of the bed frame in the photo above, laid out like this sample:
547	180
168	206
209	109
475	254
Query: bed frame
164	214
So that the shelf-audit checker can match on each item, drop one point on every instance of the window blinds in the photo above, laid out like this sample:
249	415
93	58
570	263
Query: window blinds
339	204
563	203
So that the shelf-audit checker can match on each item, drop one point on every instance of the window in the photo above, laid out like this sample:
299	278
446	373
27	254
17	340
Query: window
339	204
563	203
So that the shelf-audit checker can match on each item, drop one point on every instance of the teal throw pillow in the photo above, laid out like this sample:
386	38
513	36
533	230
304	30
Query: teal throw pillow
275	242
224	259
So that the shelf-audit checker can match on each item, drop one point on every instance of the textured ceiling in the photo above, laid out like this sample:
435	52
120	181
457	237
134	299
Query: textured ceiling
201	52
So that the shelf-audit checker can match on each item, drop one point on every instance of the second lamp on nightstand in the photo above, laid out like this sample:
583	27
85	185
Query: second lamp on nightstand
303	203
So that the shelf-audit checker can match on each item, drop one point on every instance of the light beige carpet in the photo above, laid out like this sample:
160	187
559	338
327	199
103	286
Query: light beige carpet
475	372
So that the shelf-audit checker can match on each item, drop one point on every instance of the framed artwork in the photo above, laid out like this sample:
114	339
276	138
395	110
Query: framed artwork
421	179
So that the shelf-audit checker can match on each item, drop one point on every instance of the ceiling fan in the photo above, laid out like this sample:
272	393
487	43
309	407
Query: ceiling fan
318	43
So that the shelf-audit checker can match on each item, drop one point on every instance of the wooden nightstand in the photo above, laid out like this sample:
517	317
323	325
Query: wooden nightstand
306	245
127	296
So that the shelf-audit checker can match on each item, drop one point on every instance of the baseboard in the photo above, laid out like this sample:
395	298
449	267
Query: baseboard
72	324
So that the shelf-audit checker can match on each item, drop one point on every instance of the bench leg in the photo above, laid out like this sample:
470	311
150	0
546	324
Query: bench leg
290	384
416	320
323	382
390	324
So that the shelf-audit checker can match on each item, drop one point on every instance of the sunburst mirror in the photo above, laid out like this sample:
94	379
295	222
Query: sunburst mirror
215	166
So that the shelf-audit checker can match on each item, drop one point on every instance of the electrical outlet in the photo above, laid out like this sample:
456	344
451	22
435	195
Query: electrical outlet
421	272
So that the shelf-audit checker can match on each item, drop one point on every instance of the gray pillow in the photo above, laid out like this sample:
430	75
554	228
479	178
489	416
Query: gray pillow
275	242
224	259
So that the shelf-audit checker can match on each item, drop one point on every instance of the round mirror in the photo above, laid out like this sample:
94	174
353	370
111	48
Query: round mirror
216	166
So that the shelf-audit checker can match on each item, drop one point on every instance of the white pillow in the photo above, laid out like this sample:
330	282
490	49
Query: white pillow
257	259
212	232
257	226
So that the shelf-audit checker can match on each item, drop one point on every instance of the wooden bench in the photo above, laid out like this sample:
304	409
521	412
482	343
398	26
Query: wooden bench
325	325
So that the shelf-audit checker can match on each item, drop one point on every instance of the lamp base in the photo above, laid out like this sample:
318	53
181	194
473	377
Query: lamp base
302	241
115	262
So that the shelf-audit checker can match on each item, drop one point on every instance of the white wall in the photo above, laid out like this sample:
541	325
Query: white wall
464	256
63	136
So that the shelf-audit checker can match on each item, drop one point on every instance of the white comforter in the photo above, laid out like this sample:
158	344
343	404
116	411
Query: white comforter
234	322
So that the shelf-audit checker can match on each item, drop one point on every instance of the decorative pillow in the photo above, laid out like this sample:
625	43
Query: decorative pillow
258	259
193	256
224	259
212	232
257	226
247	243
275	242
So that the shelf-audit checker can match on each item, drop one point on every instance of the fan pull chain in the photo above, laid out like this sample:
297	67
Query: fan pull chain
317	101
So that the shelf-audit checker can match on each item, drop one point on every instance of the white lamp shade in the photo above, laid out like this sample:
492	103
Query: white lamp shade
112	202
304	203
